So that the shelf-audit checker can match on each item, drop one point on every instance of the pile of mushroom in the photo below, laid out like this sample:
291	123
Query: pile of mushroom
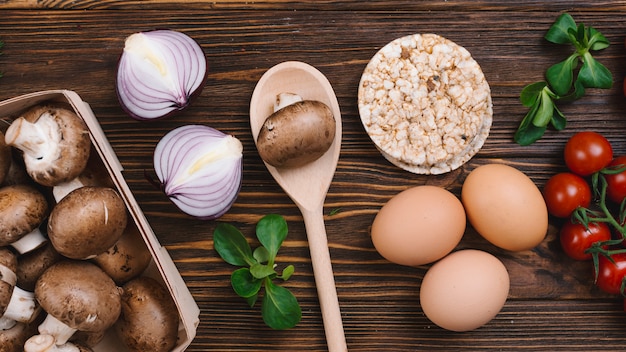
71	260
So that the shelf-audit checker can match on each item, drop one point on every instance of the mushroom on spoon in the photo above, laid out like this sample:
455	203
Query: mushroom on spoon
307	185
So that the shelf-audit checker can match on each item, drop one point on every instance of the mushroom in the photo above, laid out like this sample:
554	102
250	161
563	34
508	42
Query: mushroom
22	209
298	132
5	158
77	295
54	142
13	339
87	222
149	319
45	343
32	264
15	303
127	259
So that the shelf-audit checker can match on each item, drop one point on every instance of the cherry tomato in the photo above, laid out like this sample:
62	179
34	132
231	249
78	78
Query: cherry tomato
576	238
587	152
565	192
616	183
611	274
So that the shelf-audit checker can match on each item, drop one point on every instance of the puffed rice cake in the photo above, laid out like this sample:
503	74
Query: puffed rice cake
425	103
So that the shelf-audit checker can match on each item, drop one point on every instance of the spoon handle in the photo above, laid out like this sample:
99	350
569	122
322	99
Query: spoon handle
324	279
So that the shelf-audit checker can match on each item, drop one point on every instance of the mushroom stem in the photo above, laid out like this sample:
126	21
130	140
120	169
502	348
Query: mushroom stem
30	241
6	323
62	189
59	330
22	307
45	343
39	140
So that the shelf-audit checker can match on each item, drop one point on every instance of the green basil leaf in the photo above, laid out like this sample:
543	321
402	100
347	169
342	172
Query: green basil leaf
531	92
593	74
232	246
271	231
559	31
261	271
287	272
261	254
244	284
280	308
561	76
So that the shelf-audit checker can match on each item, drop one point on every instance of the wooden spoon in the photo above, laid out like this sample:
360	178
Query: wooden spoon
307	185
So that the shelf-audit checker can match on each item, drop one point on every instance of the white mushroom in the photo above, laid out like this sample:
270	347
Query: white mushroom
77	295
54	141
45	343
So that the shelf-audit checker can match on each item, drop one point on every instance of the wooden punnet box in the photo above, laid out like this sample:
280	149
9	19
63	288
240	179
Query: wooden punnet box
161	267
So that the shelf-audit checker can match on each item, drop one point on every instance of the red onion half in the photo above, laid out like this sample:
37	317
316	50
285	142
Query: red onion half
158	73
200	170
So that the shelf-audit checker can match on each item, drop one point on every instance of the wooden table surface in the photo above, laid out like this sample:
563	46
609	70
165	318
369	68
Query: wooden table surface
552	304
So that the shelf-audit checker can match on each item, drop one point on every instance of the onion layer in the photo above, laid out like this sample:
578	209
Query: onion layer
200	170
158	73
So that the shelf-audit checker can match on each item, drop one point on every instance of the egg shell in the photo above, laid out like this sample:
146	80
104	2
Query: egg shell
505	207
465	290
419	225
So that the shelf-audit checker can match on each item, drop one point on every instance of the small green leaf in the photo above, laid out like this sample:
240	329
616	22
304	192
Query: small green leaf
545	111
597	41
271	231
232	246
261	254
531	92
244	284
280	308
561	76
287	272
252	300
559	31
593	74
558	119
261	271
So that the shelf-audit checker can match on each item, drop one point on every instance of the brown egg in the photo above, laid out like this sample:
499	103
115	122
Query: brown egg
505	207
419	226
465	290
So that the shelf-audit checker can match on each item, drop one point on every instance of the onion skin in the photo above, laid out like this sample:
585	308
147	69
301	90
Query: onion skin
159	73
200	169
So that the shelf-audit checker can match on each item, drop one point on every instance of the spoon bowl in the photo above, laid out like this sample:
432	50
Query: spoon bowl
307	185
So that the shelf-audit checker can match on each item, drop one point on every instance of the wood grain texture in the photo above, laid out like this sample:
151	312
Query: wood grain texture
552	305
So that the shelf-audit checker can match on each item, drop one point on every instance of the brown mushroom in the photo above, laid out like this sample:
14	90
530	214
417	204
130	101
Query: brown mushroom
15	303
77	295
87	222
54	142
5	158
32	264
13	339
46	343
149	319
22	210
298	132
127	259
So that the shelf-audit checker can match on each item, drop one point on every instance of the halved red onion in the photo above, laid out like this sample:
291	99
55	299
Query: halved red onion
158	73
200	169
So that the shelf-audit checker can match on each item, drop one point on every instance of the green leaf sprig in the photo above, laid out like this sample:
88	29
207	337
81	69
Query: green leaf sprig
279	307
565	81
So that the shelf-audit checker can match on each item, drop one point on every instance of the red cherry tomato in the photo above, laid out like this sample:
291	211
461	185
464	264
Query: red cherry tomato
616	183
587	152
576	238
565	192
611	274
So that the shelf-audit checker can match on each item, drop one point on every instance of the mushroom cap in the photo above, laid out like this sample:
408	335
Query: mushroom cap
149	319
79	294
74	146
8	267
32	264
87	222
22	209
